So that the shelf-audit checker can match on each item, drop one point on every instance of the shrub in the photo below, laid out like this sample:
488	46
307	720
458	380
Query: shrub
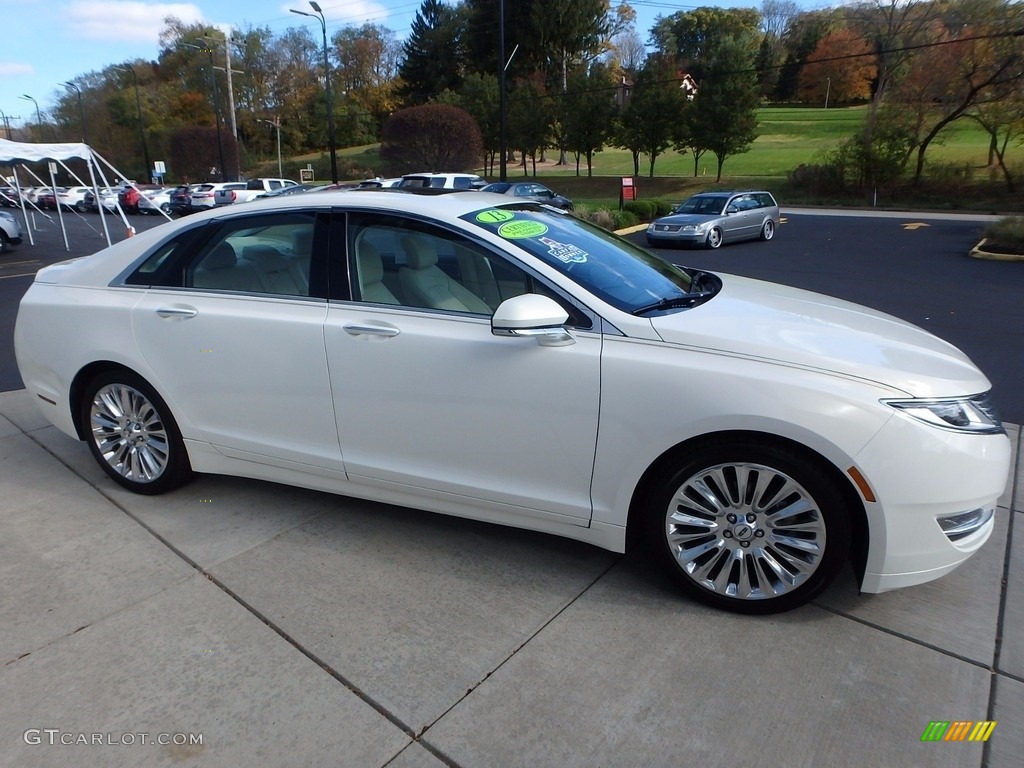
430	137
1006	233
665	207
623	219
645	210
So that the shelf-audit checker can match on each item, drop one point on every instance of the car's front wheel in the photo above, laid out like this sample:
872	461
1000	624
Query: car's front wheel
3	243
714	238
768	230
749	527
132	434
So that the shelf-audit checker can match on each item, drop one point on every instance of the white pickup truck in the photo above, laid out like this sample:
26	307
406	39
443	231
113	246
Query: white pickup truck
253	187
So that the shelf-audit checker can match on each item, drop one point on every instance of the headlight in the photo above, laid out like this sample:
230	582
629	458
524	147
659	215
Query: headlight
974	414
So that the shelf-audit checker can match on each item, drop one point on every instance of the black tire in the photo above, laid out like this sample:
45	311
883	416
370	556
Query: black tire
132	435
3	243
767	230
81	207
746	547
714	239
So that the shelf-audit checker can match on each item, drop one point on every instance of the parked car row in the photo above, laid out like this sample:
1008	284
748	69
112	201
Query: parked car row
184	198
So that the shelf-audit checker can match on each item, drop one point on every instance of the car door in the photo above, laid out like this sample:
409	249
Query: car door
743	219
232	328
427	398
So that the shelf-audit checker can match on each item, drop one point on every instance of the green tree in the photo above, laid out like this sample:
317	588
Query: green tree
588	109
432	54
690	38
725	108
650	121
529	119
479	96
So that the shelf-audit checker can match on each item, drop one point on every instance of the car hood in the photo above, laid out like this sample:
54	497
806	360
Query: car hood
679	219
796	327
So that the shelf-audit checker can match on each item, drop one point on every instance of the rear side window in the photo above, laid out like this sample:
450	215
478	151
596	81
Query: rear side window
268	254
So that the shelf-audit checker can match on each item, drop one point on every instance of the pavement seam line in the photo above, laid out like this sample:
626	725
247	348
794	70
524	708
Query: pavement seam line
514	652
1003	589
902	636
379	708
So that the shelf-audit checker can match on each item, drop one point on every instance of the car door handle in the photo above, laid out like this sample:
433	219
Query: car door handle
182	312
370	329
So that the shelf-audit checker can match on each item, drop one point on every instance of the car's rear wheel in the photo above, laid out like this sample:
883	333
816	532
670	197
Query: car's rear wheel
81	207
768	230
3	243
714	238
132	434
753	528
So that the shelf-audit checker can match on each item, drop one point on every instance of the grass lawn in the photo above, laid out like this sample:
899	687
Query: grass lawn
788	137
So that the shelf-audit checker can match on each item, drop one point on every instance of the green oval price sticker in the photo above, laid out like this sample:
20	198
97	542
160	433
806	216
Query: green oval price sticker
515	230
494	216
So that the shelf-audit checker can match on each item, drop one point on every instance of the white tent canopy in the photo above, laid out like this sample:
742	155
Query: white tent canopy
21	153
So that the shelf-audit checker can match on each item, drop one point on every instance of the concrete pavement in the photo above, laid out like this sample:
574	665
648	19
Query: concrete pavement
285	627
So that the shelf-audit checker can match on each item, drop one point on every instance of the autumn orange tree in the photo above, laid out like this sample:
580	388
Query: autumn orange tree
841	70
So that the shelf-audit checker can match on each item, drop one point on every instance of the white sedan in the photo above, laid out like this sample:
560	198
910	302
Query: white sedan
506	362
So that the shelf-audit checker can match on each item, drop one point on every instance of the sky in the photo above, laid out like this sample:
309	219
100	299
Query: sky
48	42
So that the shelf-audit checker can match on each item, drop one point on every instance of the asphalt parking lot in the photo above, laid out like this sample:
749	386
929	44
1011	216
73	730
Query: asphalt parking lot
251	623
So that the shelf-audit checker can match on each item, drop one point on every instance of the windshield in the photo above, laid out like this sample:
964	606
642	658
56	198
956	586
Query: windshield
613	269
706	204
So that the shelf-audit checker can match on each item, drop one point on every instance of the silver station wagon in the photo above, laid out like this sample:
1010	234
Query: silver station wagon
712	218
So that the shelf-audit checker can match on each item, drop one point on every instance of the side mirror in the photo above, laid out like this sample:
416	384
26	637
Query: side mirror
532	315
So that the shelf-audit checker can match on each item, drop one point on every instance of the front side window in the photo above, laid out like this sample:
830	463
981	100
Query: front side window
404	262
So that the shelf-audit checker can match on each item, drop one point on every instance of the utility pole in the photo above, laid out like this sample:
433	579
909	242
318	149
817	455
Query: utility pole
7	122
276	122
216	104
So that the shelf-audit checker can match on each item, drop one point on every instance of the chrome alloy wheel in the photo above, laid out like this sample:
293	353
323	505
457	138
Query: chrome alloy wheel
745	531
129	433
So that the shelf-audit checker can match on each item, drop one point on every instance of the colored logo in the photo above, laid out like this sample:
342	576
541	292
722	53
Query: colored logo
515	230
494	216
958	730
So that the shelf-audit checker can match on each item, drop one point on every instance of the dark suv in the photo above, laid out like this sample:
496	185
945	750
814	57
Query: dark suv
180	200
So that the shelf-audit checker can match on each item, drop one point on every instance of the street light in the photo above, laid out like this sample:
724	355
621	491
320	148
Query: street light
81	111
276	122
142	130
327	79
216	104
39	119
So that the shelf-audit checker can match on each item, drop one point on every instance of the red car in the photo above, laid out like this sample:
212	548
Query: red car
47	199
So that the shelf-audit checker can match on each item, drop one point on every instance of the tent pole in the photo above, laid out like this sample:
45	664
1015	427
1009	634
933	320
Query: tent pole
60	214
21	200
96	196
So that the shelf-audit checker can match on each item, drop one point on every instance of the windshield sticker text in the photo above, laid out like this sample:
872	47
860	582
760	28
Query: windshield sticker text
494	216
515	230
564	252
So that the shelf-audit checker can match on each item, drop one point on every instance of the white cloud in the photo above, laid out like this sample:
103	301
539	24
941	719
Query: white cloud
126	20
14	68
